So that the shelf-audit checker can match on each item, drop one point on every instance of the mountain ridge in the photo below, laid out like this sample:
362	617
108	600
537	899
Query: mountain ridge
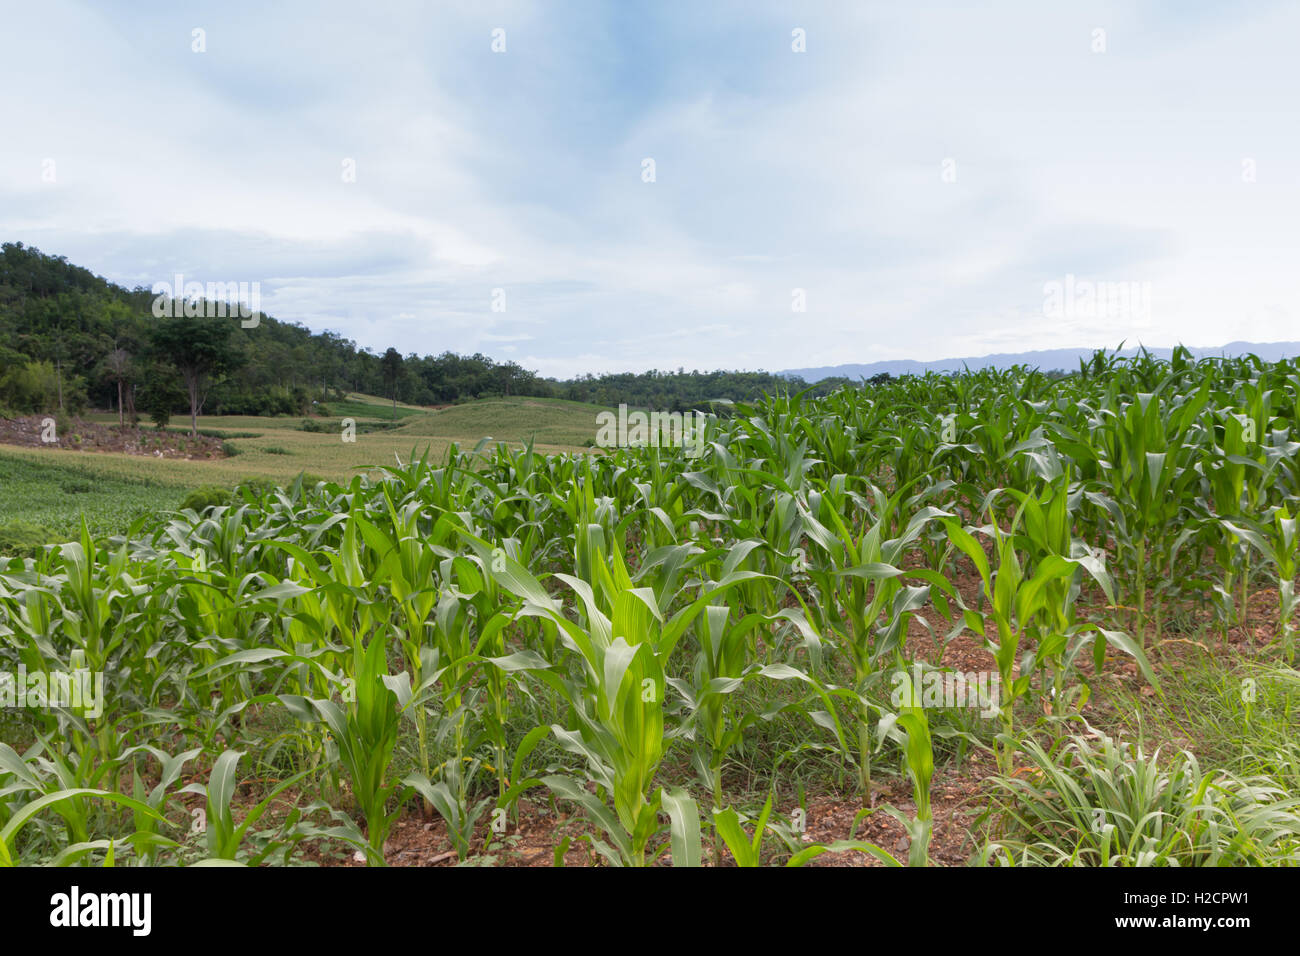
1045	359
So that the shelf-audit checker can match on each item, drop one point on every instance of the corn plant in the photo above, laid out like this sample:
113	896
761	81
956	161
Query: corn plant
863	605
617	705
1277	541
745	850
724	664
225	838
71	804
918	755
1024	611
1144	449
364	731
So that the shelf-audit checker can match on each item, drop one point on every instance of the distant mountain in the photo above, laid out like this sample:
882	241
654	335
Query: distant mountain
1047	360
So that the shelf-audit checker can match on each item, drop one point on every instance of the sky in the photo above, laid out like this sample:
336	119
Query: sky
827	182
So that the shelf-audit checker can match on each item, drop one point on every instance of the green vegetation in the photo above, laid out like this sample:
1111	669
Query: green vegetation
556	425
570	424
25	539
681	652
54	490
1110	805
364	406
72	340
209	496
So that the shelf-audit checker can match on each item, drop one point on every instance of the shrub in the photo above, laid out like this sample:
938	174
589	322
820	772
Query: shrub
256	488
207	496
29	386
24	539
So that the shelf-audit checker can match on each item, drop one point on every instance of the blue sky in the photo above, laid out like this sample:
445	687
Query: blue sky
921	172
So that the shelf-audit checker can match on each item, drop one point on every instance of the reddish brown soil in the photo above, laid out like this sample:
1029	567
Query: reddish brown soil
30	430
957	799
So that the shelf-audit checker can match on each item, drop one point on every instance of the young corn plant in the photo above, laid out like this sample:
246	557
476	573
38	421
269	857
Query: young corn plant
1233	467
27	791
406	569
724	665
454	662
918	755
1144	448
1277	541
747	851
1045	521
225	838
621	644
364	730
1026	612
864	606
170	769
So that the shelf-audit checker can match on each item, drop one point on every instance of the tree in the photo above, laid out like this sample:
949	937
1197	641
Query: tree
117	368
392	367
158	406
27	386
161	394
200	350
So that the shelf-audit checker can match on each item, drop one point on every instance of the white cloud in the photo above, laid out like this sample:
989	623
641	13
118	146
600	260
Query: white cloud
820	171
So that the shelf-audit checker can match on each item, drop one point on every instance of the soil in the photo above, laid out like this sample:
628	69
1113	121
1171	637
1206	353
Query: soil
956	801
33	430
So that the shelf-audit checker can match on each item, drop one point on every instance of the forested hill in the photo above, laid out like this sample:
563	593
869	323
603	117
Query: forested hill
71	339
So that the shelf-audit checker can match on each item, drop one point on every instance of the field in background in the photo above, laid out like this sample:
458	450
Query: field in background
53	488
550	422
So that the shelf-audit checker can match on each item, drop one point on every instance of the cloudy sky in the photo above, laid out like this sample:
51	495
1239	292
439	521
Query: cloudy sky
916	179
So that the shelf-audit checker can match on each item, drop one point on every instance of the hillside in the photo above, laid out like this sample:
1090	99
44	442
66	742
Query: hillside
71	340
547	422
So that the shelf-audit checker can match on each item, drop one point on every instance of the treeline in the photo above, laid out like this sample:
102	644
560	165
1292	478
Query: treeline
680	390
70	340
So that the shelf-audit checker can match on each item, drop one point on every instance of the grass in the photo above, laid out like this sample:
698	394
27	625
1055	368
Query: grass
369	406
1234	712
54	489
566	424
1109	804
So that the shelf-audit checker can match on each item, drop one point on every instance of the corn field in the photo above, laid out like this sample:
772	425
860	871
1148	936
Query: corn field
668	652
